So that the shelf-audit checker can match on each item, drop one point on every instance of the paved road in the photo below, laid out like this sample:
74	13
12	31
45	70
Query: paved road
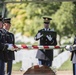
64	73
58	73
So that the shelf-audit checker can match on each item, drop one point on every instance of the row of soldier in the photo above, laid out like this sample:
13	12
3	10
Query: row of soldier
45	57
7	41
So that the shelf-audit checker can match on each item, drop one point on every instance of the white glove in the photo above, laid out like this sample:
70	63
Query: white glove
69	48
49	37
39	35
74	47
10	47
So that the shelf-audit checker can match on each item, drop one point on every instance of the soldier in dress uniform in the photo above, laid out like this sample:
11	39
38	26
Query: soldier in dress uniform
4	46
73	57
1	48
45	57
9	40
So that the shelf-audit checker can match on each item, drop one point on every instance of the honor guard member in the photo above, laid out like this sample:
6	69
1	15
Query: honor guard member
73	57
10	41
2	47
45	57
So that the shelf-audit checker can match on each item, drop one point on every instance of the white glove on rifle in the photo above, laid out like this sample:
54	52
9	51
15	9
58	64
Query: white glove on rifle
10	47
39	35
49	37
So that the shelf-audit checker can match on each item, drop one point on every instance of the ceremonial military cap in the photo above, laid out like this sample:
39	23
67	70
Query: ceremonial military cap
47	20
7	20
1	19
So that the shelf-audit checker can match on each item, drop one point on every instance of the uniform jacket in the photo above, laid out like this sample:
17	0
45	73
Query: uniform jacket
6	38
45	54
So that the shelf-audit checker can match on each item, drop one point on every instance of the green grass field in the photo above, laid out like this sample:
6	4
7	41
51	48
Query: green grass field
17	66
66	66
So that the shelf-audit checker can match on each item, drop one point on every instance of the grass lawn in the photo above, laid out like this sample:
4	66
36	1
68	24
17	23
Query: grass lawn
17	66
66	66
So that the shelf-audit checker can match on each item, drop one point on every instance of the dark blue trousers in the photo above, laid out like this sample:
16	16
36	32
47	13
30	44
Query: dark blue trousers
74	69
2	65
9	67
45	62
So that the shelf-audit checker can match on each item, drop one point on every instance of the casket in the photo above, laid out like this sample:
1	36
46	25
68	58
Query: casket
39	70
